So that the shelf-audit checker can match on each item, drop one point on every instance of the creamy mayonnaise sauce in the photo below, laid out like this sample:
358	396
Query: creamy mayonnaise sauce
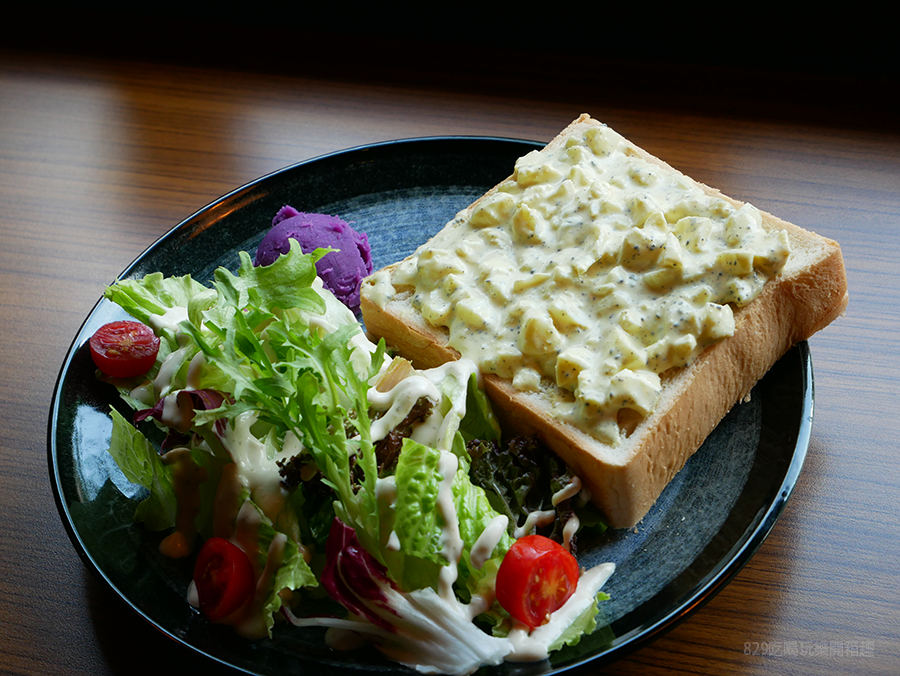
587	276
396	403
255	470
169	368
571	528
487	542
169	321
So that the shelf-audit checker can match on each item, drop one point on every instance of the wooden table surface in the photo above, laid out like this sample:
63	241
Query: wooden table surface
101	155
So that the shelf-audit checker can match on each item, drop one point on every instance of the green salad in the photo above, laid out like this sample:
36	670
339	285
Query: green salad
302	464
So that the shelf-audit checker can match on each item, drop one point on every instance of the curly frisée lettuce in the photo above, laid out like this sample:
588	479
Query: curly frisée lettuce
328	463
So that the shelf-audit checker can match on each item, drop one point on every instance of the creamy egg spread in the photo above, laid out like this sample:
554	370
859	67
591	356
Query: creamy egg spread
587	276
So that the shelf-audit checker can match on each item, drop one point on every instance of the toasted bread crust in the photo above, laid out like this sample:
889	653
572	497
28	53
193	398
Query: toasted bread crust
808	294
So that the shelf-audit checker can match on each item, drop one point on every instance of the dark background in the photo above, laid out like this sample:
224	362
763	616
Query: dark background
818	66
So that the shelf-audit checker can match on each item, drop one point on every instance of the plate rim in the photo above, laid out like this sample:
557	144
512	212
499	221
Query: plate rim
725	570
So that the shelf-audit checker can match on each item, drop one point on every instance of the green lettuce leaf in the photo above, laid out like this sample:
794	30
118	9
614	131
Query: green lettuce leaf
141	464
153	295
418	525
475	512
479	421
292	572
418	481
584	624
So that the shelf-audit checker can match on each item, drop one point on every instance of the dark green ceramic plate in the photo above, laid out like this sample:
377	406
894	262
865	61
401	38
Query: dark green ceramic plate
704	528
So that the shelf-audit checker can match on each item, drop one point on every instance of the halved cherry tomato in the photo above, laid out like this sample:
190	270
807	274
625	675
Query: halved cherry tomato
124	349
537	576
224	578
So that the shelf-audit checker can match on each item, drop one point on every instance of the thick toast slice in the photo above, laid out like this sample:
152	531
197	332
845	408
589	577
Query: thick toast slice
626	477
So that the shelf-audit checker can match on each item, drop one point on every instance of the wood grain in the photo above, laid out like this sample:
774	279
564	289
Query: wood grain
100	156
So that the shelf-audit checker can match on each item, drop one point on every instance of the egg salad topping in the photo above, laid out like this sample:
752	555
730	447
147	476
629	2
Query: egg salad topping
587	276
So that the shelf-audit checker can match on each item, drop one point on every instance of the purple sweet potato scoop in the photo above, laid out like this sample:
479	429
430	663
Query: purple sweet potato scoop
341	271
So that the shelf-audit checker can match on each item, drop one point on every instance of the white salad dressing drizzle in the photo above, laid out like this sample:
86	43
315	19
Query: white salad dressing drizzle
540	518
169	320
569	531
173	415
168	369
487	542
398	402
195	371
572	489
534	520
252	469
461	370
255	470
569	491
451	542
386	494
